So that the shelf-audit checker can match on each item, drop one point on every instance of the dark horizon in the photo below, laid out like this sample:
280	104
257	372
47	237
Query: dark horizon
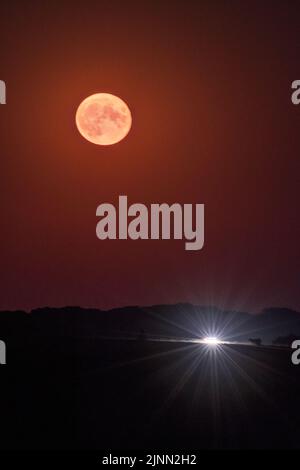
181	321
154	305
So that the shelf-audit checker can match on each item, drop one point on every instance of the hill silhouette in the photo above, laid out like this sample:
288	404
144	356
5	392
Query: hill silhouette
179	321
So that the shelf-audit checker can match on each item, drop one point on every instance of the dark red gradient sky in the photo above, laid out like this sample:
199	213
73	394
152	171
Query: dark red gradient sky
208	85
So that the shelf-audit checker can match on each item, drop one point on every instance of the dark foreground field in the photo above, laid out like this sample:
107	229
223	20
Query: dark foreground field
141	394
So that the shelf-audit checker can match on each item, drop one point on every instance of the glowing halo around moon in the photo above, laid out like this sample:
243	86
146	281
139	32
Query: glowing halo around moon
103	119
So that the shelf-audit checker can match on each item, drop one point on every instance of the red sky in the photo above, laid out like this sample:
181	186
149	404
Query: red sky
209	90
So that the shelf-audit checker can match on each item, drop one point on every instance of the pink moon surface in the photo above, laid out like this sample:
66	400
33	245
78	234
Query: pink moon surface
103	119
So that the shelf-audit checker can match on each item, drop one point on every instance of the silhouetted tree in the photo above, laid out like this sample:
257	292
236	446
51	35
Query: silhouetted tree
256	341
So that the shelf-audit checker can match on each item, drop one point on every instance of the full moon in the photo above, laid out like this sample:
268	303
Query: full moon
103	119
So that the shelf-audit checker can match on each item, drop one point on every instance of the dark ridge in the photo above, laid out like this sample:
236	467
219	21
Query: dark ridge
181	320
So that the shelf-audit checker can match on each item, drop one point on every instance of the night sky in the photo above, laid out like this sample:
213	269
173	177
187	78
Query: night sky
209	88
